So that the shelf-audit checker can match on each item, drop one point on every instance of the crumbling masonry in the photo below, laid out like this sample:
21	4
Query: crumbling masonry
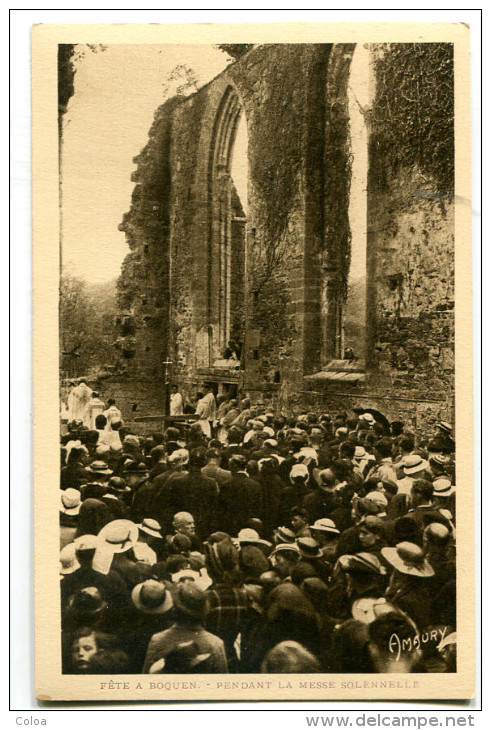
201	271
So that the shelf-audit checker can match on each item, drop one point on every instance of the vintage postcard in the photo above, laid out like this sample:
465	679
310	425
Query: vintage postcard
253	362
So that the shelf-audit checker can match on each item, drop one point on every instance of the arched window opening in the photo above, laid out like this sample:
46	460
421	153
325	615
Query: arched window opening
354	319
228	213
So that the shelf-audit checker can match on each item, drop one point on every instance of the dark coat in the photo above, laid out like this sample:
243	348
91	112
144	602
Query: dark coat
74	475
320	504
190	491
240	499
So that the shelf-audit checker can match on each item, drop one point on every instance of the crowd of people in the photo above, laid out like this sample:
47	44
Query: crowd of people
252	541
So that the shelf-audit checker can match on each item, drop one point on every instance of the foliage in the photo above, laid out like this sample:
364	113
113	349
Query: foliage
413	114
236	50
69	56
87	329
182	80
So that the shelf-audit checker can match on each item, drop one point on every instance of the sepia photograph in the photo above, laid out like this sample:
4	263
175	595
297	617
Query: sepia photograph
258	411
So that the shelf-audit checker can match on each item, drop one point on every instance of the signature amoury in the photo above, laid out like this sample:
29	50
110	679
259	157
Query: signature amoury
398	645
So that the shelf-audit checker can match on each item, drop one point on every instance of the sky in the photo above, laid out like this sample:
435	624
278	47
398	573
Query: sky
117	91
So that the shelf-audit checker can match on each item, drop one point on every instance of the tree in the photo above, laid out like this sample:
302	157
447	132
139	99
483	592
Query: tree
87	329
236	50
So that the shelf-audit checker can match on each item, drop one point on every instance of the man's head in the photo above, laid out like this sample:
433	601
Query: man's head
346	450
183	523
84	647
421	492
328	480
237	463
383	448
173	389
197	458
111	402
135	474
100	422
299	519
406	443
436	536
234	435
284	559
371	532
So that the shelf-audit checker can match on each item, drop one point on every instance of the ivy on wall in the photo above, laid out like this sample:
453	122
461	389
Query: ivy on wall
413	114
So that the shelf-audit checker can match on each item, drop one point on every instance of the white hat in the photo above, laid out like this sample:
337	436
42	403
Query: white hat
360	452
250	535
85	542
70	501
151	597
413	463
179	456
325	525
151	527
442	487
299	470
285	547
117	536
377	498
408	558
68	560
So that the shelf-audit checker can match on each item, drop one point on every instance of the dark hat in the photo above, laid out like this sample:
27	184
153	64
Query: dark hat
87	600
309	548
190	599
133	468
223	555
253	562
92	491
151	597
315	589
373	524
182	543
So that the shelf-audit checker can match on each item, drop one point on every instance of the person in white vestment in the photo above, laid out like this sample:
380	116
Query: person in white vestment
206	410
176	402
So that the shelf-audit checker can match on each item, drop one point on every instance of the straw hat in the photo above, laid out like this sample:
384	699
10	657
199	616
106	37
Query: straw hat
325	525
151	597
291	547
409	559
151	527
119	535
68	559
442	487
70	501
413	464
284	534
361	563
309	548
248	535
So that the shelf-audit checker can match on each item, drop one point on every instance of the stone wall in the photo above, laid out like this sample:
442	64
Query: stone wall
297	237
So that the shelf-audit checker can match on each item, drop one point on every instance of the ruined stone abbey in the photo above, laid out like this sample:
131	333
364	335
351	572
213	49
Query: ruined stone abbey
329	282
